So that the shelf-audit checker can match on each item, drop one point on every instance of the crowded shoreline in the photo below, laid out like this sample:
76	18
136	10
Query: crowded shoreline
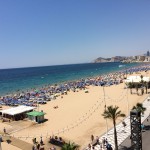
71	99
49	92
20	80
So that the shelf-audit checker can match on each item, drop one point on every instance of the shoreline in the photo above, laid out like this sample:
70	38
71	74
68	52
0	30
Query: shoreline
25	90
40	87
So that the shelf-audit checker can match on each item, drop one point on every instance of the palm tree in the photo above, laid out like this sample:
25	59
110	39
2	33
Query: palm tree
137	88
70	146
113	113
130	85
141	77
142	85
139	107
146	86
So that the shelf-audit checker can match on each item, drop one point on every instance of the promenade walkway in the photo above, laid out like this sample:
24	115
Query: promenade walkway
23	145
17	143
123	133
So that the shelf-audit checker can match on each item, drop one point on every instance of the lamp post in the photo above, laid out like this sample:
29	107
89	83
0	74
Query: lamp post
126	73
127	103
38	106
105	109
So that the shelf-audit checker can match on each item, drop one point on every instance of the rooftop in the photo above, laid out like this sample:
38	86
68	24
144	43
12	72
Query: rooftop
36	113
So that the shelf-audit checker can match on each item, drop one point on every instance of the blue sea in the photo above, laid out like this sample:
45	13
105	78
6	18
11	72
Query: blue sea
22	79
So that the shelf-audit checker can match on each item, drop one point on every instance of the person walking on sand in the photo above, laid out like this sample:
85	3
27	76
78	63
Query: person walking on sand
92	138
4	130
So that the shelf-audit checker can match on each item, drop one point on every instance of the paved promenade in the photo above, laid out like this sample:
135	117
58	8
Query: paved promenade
126	145
17	143
124	133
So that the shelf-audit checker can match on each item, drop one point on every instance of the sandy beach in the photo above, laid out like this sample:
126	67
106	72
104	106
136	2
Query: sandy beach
6	146
78	115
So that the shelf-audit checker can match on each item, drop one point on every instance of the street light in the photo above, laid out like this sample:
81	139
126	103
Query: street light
127	103
126	72
37	106
105	110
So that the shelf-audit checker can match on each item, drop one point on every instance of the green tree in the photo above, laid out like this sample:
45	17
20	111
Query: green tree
130	85
113	113
70	146
139	107
146	86
142	85
137	88
141	77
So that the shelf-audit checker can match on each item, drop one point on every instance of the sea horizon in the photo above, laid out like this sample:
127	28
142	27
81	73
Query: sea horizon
44	66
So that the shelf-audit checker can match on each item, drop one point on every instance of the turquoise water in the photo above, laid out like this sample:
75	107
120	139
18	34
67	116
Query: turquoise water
20	79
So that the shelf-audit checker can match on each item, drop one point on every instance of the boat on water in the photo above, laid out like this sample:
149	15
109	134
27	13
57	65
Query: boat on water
121	66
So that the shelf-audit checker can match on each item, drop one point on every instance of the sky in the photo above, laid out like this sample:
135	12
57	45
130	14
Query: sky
56	32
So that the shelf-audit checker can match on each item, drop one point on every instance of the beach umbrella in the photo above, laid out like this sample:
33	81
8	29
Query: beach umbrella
37	91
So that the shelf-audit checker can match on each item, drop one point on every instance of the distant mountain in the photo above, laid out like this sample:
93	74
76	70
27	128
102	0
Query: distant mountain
100	59
112	59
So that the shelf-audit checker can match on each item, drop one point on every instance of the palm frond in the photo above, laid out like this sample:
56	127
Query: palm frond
112	113
69	146
139	107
